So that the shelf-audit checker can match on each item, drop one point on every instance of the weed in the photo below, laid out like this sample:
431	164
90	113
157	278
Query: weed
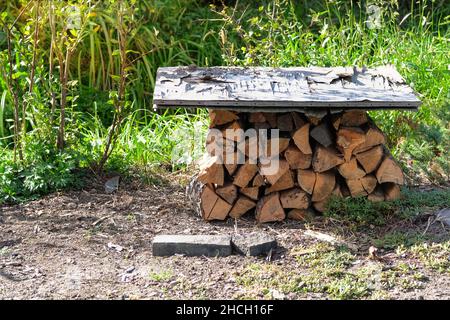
161	276
435	256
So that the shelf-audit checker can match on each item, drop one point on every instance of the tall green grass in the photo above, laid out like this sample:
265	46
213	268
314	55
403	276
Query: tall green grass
166	141
412	35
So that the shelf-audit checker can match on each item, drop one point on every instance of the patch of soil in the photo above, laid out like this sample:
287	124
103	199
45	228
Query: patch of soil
90	245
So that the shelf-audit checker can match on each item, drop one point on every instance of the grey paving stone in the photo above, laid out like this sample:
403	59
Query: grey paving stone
192	245
253	244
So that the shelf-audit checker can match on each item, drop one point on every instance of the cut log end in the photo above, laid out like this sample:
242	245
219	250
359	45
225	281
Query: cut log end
269	209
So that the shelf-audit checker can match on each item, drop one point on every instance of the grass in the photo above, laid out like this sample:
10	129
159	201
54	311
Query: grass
435	256
330	272
161	276
364	212
395	239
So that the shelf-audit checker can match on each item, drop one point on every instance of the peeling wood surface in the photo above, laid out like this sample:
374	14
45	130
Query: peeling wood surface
283	89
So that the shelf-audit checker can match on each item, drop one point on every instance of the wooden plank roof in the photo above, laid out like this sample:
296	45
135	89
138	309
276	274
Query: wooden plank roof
283	89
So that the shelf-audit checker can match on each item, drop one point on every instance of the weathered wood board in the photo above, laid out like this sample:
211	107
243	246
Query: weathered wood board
283	89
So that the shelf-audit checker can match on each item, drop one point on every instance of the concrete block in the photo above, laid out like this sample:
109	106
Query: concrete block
253	244
192	245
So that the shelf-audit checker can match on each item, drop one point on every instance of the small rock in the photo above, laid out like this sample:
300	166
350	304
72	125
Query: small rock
72	206
444	216
127	277
253	244
130	269
115	247
112	185
277	295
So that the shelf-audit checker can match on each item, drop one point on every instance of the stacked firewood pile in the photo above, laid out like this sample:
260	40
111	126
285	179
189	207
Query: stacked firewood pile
318	156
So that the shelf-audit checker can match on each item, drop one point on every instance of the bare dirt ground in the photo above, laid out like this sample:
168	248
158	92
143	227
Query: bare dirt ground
92	245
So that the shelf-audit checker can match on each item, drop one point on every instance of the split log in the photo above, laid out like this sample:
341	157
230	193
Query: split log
354	118
262	126
286	181
301	214
370	159
324	186
220	210
269	209
356	187
207	200
297	159
194	191
285	122
315	117
322	134
273	169
251	192
220	117
348	138
245	173
232	159
231	168
278	145
294	198
258	181
351	170
256	117
234	131
369	183
346	158
228	192
336	121
325	159
211	171
345	191
373	137
389	171
391	191
377	195
298	120
251	148
301	139
321	206
271	118
242	206
306	180
211	206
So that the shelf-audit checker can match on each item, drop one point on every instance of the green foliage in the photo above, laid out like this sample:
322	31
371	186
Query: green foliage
363	212
395	239
46	170
411	35
434	255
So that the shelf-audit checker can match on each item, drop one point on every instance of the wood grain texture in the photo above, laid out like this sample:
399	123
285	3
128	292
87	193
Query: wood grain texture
283	89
